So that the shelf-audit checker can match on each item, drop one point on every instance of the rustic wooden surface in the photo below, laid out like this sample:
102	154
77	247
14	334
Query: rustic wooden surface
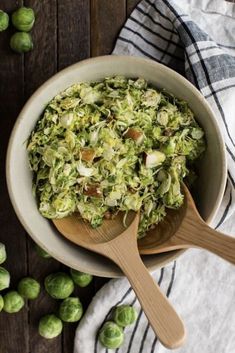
65	32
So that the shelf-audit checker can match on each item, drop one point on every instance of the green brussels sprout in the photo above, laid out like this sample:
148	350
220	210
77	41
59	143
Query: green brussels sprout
1	303
4	21
124	315
13	302
80	278
111	335
59	285
3	254
71	310
23	19
50	326
41	252
4	278
29	288
21	42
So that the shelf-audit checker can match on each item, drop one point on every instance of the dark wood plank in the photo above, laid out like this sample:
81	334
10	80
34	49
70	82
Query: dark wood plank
73	46
40	65
73	31
12	234
39	268
107	19
130	5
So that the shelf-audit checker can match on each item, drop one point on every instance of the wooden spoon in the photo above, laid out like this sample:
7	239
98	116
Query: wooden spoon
184	228
119	244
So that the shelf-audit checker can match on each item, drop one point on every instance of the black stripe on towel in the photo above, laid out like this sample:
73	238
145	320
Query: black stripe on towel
132	303
203	49
157	10
225	211
172	280
153	45
231	179
106	317
134	331
138	48
225	46
203	65
220	90
231	154
156	33
167	29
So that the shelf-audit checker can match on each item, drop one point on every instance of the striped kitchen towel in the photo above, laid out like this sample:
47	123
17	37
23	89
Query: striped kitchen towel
197	39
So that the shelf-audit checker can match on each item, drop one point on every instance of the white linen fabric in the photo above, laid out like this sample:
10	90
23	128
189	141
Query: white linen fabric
197	39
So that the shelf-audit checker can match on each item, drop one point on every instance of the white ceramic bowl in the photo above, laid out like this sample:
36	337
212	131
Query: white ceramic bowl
212	173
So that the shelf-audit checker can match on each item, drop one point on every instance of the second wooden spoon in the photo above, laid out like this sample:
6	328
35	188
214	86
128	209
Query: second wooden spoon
184	228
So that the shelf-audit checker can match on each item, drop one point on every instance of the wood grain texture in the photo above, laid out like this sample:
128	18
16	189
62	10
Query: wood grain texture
12	234
73	31
39	268
41	64
107	19
130	5
73	46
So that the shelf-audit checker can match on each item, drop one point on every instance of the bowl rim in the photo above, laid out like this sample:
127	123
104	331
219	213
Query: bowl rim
100	59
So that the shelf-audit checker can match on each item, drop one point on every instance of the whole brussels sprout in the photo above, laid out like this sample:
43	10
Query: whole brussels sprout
111	335
23	19
4	21
80	278
59	285
41	252
4	278
124	315
13	302
1	303
3	254
21	42
29	288
71	310
50	326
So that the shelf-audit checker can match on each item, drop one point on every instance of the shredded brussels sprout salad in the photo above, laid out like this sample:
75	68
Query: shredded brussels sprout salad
110	146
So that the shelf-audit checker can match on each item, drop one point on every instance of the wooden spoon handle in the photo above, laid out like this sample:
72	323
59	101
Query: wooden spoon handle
161	315
207	238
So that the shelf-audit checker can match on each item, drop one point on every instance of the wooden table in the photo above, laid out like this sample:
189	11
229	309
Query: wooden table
65	32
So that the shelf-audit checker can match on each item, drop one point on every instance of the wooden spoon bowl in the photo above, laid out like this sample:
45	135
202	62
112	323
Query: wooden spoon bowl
157	240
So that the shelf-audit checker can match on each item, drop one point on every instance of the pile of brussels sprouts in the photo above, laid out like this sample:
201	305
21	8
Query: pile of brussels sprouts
111	334
23	20
58	285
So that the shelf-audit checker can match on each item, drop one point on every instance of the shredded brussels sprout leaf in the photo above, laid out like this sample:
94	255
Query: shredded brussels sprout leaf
110	146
